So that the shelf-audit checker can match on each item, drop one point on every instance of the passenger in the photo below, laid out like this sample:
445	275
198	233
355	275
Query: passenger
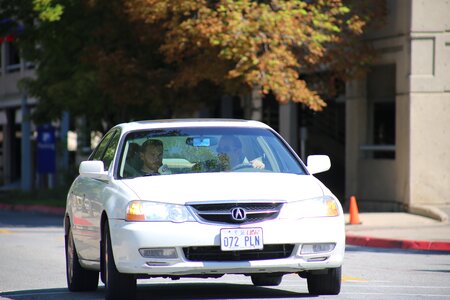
230	154
152	155
133	156
133	162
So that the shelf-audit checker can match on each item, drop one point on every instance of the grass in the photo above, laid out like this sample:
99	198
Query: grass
52	197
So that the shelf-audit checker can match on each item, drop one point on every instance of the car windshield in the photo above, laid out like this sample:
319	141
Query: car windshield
204	149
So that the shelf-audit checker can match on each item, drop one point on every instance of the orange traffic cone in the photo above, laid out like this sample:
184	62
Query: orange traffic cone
354	214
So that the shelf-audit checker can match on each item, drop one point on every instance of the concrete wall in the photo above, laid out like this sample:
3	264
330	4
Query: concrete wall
9	91
430	149
430	103
416	38
381	184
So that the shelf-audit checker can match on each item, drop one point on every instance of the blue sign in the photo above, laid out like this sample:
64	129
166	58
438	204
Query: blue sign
46	149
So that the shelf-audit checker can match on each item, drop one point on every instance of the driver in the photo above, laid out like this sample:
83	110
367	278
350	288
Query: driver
152	155
230	154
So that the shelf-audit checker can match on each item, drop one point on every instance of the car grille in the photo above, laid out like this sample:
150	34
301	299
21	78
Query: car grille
223	212
214	253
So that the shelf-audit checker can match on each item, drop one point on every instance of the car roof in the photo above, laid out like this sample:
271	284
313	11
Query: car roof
172	123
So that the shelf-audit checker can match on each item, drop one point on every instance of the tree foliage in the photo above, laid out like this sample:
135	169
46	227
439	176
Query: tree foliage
115	60
90	60
263	44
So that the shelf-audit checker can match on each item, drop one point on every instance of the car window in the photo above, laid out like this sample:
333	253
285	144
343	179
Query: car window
208	149
106	149
110	151
100	150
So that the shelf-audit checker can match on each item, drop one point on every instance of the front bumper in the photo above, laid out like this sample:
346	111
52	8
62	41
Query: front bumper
128	237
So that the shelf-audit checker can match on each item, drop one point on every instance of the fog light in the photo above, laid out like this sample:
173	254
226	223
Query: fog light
317	248
157	263
161	253
317	258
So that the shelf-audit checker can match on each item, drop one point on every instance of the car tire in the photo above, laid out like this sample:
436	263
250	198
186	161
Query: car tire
78	278
266	280
325	284
117	285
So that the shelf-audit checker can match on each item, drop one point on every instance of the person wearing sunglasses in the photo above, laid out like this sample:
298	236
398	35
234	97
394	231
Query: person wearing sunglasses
231	156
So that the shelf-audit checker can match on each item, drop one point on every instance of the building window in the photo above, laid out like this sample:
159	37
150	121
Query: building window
12	58
381	94
2	51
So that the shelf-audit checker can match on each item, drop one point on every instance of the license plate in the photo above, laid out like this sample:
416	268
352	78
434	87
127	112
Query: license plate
233	239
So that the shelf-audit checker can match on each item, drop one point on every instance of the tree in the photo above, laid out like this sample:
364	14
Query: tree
264	45
118	60
90	60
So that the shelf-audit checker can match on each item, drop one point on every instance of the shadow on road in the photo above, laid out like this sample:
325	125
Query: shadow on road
206	290
351	248
10	218
180	291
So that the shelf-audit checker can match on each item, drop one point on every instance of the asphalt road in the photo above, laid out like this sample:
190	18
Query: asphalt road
32	267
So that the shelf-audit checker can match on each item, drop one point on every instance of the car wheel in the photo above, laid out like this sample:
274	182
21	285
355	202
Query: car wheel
118	285
325	284
266	280
78	278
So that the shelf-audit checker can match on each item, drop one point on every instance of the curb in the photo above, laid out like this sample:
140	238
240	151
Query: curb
429	211
33	208
366	241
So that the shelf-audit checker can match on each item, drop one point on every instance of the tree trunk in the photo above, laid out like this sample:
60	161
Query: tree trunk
252	101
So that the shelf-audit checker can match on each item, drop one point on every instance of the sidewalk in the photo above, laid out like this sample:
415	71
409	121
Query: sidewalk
428	231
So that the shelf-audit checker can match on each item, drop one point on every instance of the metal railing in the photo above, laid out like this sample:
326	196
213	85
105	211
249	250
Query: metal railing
377	148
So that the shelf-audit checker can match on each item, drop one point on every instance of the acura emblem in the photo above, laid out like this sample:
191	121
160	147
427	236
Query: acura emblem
238	214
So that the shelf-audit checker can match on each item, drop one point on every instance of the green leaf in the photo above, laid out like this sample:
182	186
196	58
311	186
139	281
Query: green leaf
47	11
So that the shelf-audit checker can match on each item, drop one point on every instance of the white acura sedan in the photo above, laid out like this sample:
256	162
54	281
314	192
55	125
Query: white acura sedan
228	197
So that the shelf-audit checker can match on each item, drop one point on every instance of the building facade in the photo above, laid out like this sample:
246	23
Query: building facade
398	122
16	158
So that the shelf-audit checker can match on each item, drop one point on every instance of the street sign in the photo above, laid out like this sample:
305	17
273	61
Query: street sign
46	149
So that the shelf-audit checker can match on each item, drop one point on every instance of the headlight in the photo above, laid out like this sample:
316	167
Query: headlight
317	207
159	212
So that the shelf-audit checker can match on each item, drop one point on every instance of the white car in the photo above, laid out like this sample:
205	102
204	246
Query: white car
265	217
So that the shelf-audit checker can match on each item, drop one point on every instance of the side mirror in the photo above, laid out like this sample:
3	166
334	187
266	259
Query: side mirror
93	169
318	163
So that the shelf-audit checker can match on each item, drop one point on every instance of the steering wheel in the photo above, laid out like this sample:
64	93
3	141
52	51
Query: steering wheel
241	166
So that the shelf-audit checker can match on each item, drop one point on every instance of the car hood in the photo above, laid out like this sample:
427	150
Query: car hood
182	188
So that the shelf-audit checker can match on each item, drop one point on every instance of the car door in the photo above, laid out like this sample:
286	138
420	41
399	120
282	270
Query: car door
88	193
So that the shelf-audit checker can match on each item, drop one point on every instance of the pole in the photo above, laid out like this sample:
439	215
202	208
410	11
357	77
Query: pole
25	146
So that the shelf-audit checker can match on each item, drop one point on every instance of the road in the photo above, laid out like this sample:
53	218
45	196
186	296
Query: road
32	266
